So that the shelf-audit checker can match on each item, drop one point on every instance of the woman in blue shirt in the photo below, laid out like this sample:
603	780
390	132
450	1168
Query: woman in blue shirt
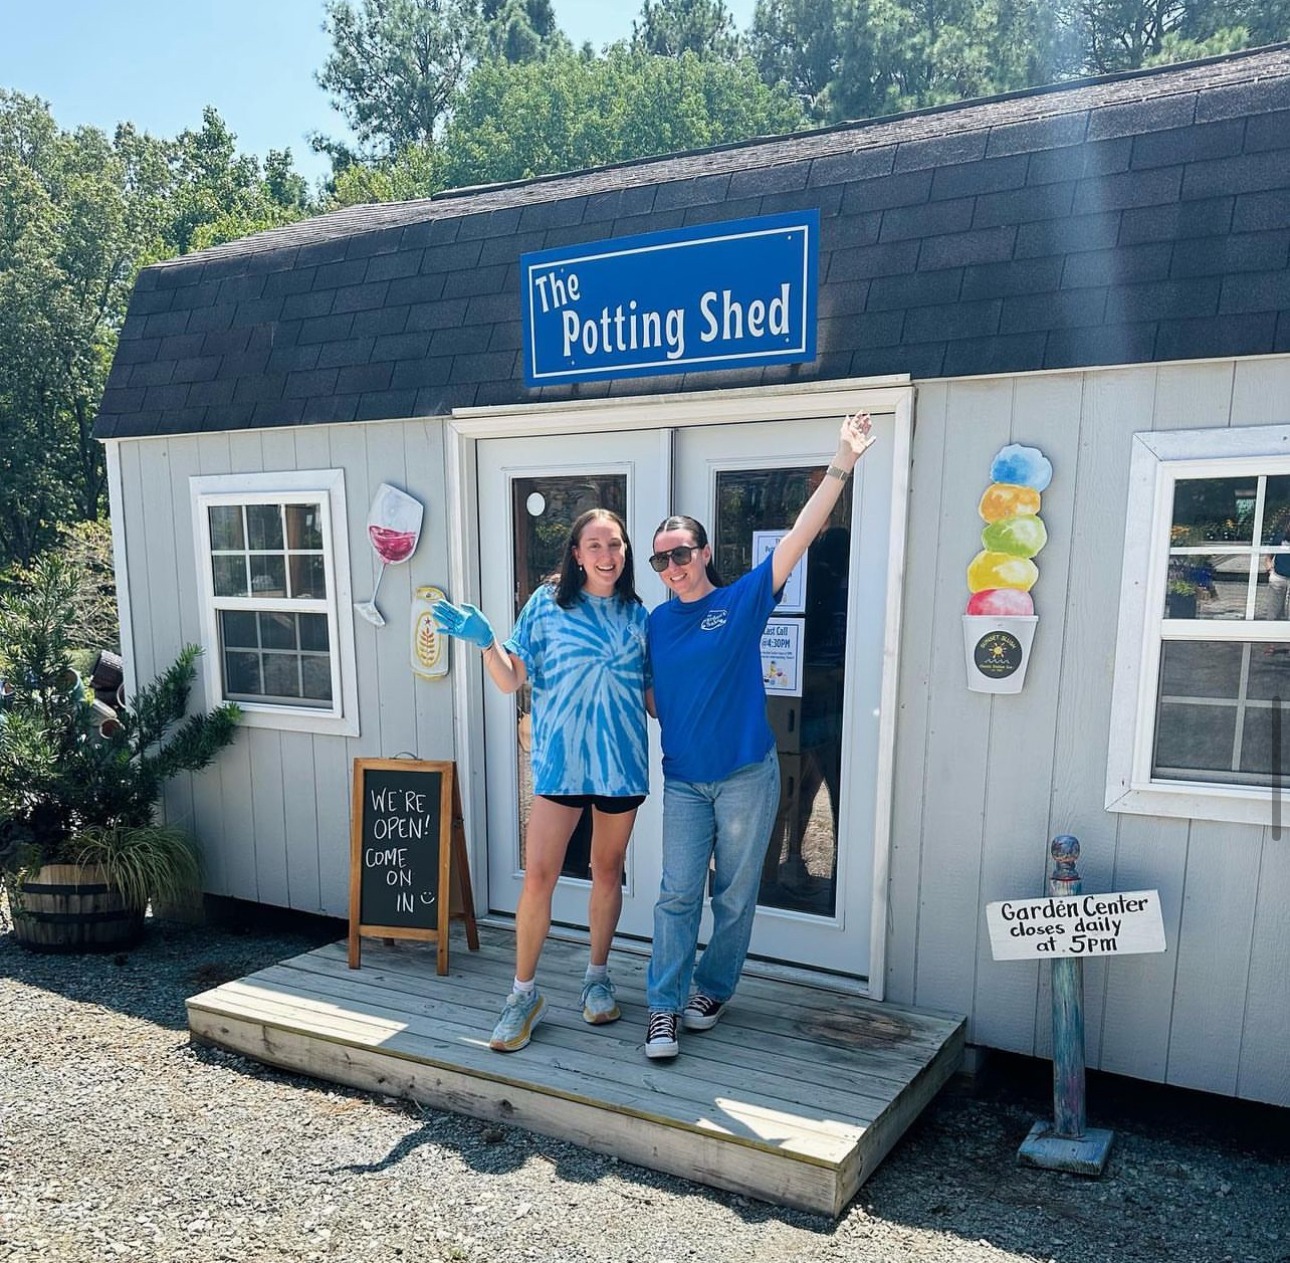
580	642
720	764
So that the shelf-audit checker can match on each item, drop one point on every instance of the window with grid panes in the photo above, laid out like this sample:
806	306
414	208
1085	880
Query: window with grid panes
1219	698
279	649
1203	653
269	560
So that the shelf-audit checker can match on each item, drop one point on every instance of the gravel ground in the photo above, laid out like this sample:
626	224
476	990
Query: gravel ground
119	1140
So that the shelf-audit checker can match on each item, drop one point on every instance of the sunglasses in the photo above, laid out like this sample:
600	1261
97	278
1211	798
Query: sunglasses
681	555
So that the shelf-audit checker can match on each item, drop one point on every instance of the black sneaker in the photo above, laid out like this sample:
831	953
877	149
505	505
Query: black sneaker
702	1012
660	1040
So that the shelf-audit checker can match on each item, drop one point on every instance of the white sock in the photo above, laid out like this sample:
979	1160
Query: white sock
597	973
524	988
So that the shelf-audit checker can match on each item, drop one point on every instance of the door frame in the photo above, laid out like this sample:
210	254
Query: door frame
466	426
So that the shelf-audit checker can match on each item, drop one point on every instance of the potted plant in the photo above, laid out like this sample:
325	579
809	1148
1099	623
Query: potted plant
1180	598
81	852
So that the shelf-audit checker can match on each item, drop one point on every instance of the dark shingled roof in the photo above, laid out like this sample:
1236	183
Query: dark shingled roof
1139	218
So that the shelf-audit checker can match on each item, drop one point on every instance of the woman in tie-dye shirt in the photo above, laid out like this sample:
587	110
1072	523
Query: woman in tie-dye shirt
580	643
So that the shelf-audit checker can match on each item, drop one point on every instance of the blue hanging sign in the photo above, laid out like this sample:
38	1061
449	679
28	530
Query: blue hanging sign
733	295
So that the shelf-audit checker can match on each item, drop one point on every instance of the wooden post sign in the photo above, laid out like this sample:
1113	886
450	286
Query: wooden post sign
409	873
1121	924
1063	929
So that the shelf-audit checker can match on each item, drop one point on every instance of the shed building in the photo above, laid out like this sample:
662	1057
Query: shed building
1099	271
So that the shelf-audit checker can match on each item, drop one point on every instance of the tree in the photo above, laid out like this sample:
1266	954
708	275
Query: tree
74	211
668	28
513	122
413	172
79	216
521	30
854	59
220	195
1127	34
58	780
394	69
797	44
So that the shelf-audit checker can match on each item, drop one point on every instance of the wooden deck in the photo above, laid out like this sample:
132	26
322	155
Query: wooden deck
794	1097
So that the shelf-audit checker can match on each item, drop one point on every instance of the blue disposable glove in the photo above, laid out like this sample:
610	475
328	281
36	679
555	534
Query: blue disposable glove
463	621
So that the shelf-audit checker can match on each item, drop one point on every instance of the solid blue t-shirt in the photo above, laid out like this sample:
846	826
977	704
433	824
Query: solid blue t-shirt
708	688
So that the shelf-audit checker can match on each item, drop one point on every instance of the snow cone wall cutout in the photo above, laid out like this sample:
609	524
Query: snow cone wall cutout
1000	621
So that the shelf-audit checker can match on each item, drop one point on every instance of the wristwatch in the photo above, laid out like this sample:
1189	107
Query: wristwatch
836	471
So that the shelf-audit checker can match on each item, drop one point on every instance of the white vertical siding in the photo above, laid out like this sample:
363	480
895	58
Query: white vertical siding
1263	1071
1084	618
1018	789
984	782
181	463
959	736
272	814
424	453
320	873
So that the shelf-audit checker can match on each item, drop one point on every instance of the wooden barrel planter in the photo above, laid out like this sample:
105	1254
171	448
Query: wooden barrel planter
71	908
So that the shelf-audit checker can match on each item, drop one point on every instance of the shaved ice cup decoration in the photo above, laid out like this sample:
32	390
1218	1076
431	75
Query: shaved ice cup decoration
999	625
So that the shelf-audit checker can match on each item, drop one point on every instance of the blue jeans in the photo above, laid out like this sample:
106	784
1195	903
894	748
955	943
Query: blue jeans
729	820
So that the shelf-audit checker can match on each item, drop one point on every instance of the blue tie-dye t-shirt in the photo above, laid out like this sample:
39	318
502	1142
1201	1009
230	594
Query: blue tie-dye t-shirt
588	669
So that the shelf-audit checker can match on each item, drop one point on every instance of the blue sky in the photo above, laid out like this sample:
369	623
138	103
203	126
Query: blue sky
156	63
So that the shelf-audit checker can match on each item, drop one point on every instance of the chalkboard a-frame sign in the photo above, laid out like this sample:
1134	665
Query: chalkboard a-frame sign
409	874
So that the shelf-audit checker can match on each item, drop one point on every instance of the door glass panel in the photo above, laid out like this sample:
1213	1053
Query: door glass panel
543	509
800	870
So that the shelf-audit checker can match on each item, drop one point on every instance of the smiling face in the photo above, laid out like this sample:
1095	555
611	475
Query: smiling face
690	582
601	553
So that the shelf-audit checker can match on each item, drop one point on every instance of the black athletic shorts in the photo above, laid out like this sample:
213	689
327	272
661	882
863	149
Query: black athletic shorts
601	802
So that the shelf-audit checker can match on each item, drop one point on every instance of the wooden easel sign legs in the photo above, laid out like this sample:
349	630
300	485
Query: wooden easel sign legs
409	873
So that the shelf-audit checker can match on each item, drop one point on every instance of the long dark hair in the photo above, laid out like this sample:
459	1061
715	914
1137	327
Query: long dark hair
683	522
568	579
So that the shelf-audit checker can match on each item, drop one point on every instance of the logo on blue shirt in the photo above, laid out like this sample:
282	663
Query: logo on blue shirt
713	619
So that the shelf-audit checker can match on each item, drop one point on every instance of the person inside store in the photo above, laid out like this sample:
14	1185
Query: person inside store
1278	568
824	639
720	763
580	642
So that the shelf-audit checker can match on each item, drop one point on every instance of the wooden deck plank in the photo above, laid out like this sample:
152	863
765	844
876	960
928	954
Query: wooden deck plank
804	1062
831	1031
770	1130
663	1093
608	1052
794	1097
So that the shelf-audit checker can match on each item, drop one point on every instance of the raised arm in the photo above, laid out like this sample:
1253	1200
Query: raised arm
466	622
855	438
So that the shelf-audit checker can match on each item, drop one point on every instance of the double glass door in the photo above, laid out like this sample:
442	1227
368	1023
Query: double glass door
822	656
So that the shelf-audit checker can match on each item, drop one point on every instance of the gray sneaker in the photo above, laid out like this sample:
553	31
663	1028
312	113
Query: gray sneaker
515	1027
598	1003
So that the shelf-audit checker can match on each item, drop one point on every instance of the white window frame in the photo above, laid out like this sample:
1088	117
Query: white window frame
325	487
1158	460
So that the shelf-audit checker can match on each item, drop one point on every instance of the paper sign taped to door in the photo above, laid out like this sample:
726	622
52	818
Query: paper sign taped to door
781	658
793	599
